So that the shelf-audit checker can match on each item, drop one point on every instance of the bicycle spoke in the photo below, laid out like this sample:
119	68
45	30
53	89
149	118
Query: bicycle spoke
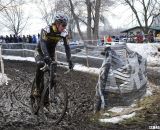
54	109
58	104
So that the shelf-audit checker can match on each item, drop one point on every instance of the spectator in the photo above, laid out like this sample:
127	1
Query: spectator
102	41
30	39
116	38
24	39
7	39
139	37
38	38
27	39
20	39
99	43
1	39
131	38
15	39
34	39
151	37
10	39
109	39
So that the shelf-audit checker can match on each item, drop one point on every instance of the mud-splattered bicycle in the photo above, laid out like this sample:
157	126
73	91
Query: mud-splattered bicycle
58	98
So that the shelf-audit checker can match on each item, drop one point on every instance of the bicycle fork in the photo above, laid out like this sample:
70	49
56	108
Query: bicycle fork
52	75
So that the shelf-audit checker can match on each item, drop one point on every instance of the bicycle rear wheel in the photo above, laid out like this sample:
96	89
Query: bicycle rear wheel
34	100
58	102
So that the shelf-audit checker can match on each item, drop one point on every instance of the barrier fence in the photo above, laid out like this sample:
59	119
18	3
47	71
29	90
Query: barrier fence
3	78
86	54
83	54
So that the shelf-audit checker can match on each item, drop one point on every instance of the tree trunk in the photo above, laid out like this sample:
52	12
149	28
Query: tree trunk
76	19
89	19
96	21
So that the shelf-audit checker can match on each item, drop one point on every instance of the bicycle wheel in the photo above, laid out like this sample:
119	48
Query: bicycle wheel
58	101
34	100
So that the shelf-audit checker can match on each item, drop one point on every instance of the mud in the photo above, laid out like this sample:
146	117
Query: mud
15	101
15	113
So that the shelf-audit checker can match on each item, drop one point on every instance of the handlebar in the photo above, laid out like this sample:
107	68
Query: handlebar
46	66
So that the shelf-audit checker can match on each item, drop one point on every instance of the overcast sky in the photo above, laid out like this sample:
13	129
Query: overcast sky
117	16
120	16
35	23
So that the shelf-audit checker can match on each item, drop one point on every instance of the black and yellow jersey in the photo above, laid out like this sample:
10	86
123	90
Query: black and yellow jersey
51	34
49	38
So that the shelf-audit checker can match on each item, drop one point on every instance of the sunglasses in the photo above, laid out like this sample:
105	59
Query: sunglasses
64	25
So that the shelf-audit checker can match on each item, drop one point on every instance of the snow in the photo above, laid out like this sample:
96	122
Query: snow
19	58
77	67
119	110
148	92
143	49
82	68
150	88
82	55
148	51
118	118
3	79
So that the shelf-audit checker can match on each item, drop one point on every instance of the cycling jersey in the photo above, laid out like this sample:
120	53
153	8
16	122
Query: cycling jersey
49	39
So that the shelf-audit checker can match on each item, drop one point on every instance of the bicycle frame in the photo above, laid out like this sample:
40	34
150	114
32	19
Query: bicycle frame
52	76
51	69
54	91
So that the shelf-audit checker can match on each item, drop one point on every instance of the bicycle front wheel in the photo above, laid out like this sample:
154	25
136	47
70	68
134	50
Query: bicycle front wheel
58	100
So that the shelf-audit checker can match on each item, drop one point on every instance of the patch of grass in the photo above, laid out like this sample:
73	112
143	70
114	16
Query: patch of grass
149	114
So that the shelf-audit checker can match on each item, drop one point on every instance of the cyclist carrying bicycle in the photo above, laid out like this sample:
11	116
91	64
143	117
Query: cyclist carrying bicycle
45	50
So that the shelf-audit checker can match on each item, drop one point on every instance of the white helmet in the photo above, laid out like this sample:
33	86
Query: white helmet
62	18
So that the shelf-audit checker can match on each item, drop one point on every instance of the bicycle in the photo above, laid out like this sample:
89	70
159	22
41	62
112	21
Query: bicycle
58	97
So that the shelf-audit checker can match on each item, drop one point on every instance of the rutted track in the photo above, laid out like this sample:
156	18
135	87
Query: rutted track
15	102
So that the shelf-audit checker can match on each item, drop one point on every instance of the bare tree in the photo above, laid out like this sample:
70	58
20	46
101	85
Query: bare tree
89	19
47	9
86	13
98	8
5	4
93	9
96	20
76	19
149	11
13	17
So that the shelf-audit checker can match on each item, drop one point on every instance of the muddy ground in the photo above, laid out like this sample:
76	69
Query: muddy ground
15	113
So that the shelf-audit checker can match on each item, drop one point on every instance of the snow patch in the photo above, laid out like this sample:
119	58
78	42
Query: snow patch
82	68
143	49
117	109
77	67
3	79
148	51
19	58
118	118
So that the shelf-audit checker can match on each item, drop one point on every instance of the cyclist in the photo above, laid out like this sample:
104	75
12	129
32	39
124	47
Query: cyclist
45	50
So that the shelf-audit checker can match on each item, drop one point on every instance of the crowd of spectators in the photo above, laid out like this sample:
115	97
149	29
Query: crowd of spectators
136	37
139	37
19	39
